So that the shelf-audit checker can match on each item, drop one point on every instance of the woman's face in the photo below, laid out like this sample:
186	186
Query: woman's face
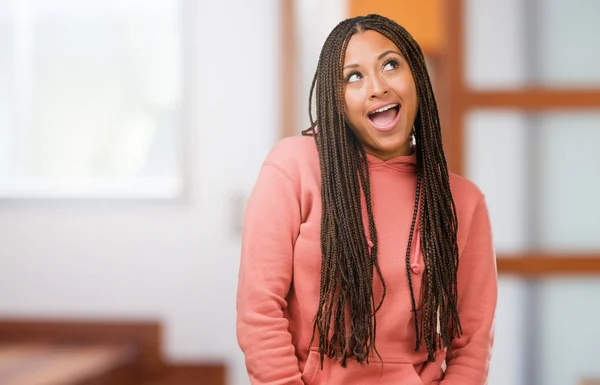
380	97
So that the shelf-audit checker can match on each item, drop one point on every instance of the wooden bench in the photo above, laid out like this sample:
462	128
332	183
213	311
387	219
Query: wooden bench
87	352
31	363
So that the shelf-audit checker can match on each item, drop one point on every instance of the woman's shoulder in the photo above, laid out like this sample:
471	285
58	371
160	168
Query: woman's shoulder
471	207
468	198
466	194
294	154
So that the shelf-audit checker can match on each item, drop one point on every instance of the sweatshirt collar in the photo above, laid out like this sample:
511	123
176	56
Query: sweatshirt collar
405	162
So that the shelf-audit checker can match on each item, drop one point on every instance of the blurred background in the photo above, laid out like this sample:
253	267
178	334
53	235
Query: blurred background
132	132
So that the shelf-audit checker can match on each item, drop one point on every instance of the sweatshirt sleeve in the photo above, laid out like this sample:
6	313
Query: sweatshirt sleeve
271	226
477	296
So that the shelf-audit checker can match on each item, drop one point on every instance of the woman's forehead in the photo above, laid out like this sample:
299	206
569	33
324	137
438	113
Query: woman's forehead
367	45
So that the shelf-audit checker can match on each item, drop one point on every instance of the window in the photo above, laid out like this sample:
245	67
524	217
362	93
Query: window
90	98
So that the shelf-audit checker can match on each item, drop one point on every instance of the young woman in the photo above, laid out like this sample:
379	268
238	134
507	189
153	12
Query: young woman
364	261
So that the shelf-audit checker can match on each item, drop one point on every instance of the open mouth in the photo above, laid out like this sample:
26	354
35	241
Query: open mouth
385	117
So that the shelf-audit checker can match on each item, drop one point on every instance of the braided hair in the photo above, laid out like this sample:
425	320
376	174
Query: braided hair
346	317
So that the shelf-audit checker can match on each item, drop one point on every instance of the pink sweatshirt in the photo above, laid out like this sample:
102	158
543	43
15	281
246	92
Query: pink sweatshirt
279	278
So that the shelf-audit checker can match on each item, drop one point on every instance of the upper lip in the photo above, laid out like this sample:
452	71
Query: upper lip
380	105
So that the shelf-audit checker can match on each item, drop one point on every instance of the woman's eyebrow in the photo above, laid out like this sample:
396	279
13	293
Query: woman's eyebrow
378	58
387	52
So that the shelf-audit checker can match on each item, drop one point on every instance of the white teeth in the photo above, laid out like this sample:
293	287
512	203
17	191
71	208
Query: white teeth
385	108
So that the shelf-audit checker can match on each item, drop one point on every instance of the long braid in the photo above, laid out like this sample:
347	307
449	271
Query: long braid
407	260
346	317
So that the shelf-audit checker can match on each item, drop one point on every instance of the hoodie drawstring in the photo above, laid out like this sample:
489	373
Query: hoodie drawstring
414	267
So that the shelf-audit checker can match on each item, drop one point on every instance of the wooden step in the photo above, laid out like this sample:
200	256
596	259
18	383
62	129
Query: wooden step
191	374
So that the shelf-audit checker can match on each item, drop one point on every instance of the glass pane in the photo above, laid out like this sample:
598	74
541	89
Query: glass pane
569	52
97	96
6	76
568	331
546	332
508	359
569	181
495	154
514	43
494	44
540	175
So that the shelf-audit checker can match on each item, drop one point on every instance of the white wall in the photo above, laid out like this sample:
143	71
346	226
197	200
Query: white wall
314	19
174	261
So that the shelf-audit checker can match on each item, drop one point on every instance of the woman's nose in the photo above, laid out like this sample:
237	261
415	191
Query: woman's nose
378	87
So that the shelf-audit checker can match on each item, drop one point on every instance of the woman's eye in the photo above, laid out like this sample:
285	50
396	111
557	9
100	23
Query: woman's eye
353	77
390	65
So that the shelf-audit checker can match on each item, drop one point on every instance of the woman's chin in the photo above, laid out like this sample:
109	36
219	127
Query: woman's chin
391	142
389	151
